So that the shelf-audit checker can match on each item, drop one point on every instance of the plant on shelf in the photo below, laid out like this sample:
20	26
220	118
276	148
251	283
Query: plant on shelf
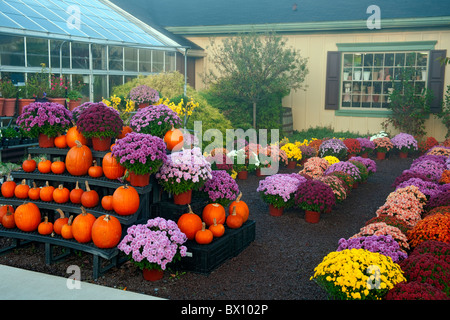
8	89
140	153
154	245
74	95
279	189
44	118
39	83
58	87
404	142
314	195
155	120
143	94
98	120
184	170
221	188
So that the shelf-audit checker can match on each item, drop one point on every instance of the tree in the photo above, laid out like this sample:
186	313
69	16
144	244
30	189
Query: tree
251	67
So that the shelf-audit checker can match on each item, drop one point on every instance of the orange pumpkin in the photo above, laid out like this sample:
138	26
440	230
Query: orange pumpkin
89	198
66	230
8	188
44	166
82	226
78	159
58	167
21	190
45	227
75	194
204	236
34	192
29	165
126	200
60	222
174	139
4	209
234	220
95	171
211	211
106	232
46	193
217	229
112	169
61	194
27	216
8	220
60	141
241	208
107	202
125	130
189	223
73	135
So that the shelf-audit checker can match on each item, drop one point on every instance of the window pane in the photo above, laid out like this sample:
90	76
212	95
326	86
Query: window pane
114	81
145	60
55	47
116	58
158	61
80	55
130	59
37	52
170	61
81	81
12	51
98	57
100	88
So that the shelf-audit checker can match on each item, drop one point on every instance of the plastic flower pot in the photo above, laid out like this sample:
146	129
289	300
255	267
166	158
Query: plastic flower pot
46	141
275	212
243	175
312	216
292	164
139	180
183	198
9	107
101	143
152	274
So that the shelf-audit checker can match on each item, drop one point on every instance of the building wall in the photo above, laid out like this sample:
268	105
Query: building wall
308	105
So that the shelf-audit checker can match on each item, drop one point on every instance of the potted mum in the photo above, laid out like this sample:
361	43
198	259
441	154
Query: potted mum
9	92
57	91
279	190
44	120
183	172
367	146
221	188
314	197
155	120
143	95
100	123
154	245
333	147
404	143
293	153
141	154
382	146
354	147
347	167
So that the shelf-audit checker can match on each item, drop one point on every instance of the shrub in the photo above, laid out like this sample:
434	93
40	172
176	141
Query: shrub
415	290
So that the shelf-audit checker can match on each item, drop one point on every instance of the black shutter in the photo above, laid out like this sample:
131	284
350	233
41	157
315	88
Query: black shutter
436	77
332	85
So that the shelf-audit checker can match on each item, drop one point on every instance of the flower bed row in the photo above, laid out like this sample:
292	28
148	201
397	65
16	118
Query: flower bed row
403	253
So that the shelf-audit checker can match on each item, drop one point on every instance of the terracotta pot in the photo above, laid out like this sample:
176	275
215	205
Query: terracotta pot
46	141
9	107
73	104
58	100
291	164
312	216
139	180
381	155
365	155
143	105
2	102
275	212
355	185
403	155
183	198
152	274
101	144
243	175
22	103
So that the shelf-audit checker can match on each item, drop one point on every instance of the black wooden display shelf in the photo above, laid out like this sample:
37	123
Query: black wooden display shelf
62	151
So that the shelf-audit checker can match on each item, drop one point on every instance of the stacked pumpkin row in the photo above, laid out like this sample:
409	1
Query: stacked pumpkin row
212	223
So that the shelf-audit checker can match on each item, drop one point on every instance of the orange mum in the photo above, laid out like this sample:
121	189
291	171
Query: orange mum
445	177
433	227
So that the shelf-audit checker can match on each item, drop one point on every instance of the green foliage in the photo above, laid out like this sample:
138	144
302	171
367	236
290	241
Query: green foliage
444	115
322	133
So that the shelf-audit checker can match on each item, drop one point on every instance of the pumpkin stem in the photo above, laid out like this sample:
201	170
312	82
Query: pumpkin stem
190	209
239	197
87	186
215	221
34	185
47	184
76	185
70	220
78	143
234	211
106	217
203	226
60	187
83	211
29	156
45	219
61	213
24	181
94	163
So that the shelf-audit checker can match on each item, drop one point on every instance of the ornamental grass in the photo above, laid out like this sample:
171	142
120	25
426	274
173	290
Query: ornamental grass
415	290
357	274
382	228
432	227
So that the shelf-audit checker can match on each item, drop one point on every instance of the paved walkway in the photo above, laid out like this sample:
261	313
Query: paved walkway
20	284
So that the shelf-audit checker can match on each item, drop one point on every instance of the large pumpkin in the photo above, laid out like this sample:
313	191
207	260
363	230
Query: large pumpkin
82	226
189	223
112	169
211	211
74	135
27	216
106	232
174	139
78	159
125	200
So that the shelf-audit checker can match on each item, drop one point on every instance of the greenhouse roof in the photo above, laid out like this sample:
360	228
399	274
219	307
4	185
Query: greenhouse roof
79	20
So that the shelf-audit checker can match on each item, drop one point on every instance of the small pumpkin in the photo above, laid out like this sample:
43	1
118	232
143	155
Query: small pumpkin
27	216
174	139
44	166
62	220
82	226
107	202
125	130
89	198
8	187
95	171
46	193
34	192
60	141
204	236
75	194
8	220
66	230
61	194
21	190
112	169
241	208
29	165
234	220
106	232
73	135
58	166
189	223
4	209
45	227
78	159
218	229
211	211
126	200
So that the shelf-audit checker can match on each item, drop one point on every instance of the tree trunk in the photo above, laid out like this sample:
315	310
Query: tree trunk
254	115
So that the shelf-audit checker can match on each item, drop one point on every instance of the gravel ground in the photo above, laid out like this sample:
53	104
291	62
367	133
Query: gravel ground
277	265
